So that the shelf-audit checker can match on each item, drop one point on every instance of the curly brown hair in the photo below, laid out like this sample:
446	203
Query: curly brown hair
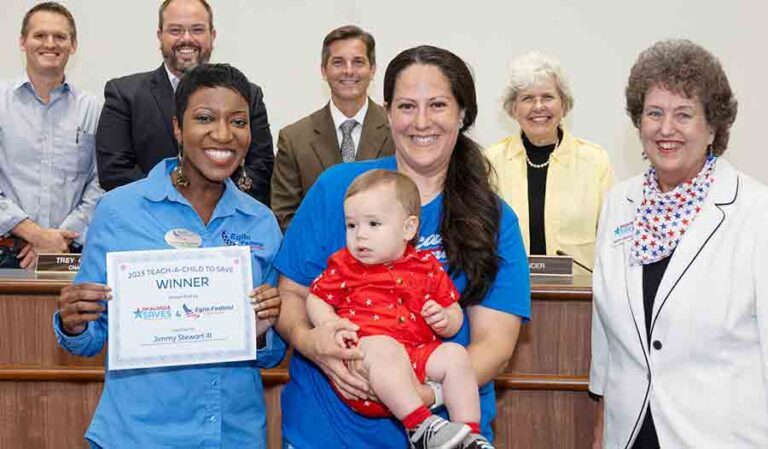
688	69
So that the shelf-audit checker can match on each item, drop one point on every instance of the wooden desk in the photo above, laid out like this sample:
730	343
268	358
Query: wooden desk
47	396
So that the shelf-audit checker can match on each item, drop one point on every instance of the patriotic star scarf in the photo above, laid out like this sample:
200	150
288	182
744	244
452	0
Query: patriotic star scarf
663	217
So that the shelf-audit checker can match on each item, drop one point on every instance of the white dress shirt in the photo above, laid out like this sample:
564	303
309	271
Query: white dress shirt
172	78
339	118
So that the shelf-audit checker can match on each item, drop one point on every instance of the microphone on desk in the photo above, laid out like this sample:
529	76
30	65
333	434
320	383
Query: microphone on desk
563	253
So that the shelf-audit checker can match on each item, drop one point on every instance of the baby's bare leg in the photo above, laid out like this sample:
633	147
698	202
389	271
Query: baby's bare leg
449	365
390	374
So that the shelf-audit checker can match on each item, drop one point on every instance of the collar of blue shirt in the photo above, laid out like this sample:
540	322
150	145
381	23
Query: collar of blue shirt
25	82
158	187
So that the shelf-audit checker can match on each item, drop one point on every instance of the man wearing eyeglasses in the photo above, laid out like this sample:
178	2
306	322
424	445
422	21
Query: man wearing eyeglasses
135	130
48	182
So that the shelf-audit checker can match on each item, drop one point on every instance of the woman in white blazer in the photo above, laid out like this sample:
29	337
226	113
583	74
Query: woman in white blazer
680	317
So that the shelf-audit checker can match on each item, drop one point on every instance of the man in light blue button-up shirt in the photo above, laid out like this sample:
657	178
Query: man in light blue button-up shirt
48	181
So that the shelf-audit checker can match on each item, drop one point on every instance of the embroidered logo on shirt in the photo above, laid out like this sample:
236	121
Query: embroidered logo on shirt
242	239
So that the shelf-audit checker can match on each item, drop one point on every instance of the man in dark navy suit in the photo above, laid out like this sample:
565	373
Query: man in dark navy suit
135	130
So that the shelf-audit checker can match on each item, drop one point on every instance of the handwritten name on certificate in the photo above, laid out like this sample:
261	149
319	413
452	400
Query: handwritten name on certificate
180	307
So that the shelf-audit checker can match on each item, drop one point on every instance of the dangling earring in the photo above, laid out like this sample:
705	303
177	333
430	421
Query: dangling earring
244	182
178	175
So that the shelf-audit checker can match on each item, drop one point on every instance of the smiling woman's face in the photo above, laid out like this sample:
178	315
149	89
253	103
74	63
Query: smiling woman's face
675	136
539	109
425	119
215	136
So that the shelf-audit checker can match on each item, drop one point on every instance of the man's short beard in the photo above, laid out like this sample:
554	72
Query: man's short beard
174	65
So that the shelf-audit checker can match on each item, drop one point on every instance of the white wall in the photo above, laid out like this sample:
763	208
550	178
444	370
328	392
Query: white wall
277	44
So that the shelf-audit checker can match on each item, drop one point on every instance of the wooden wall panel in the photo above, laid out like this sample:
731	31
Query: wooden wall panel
55	415
43	415
274	432
556	340
27	333
535	419
47	396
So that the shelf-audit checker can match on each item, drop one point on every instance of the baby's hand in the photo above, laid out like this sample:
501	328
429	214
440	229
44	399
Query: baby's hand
346	338
435	316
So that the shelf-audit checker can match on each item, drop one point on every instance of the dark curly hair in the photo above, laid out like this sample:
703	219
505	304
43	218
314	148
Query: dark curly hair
210	75
471	210
685	68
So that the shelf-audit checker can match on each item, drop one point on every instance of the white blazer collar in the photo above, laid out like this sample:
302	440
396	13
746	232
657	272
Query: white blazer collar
724	192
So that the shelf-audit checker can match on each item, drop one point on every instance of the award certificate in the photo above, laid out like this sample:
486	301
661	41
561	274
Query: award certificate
180	307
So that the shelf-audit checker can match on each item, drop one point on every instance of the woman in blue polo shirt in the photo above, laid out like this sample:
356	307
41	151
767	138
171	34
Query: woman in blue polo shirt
431	102
189	200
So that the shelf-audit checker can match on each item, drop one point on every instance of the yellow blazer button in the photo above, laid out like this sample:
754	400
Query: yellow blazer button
399	281
402	319
400	301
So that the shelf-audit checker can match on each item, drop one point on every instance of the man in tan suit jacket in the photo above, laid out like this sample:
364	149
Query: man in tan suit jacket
322	139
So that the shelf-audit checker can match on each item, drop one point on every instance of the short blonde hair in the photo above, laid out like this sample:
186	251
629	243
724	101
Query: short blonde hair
533	68
406	192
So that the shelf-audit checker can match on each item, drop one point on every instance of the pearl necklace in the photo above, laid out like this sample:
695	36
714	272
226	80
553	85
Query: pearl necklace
543	164
532	165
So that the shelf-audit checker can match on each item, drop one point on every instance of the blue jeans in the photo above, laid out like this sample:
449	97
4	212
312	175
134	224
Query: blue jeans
287	445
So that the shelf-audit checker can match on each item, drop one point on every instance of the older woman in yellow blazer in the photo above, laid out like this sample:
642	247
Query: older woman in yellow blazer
555	182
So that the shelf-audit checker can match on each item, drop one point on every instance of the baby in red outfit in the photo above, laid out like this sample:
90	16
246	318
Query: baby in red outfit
401	300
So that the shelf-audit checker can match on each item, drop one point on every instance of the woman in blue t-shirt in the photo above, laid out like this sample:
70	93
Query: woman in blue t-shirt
430	100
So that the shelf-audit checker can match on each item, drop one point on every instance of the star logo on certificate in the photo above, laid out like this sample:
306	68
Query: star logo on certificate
137	314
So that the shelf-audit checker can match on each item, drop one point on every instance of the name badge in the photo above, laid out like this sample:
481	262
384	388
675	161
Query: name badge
181	238
550	265
58	263
623	233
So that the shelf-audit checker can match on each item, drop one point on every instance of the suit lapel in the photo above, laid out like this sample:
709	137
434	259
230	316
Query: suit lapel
633	273
162	92
711	216
375	132
325	144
